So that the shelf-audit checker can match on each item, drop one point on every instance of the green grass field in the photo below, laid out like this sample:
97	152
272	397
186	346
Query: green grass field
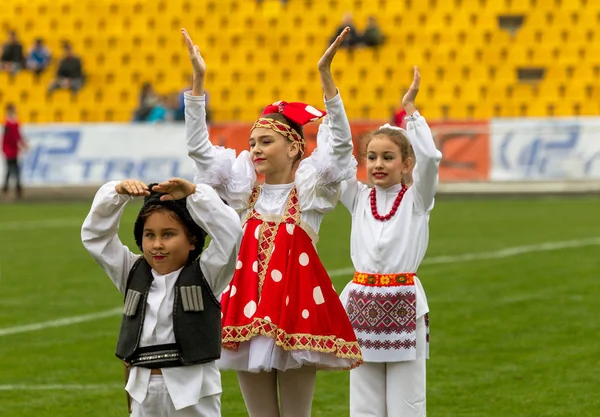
514	314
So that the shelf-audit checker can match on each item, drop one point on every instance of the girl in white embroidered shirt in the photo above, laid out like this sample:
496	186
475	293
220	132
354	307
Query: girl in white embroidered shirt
171	291
282	319
385	301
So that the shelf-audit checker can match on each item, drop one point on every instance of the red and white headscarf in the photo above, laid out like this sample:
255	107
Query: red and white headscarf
299	113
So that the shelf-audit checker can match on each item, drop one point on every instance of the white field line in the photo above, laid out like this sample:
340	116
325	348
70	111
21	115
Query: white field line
60	387
497	254
67	321
40	224
465	257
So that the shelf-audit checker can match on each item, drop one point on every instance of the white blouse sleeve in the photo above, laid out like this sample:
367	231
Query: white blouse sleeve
233	178
99	235
428	157
222	224
350	190
323	133
319	176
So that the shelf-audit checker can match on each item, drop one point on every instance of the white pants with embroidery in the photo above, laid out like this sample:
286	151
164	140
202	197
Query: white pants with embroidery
158	403
391	389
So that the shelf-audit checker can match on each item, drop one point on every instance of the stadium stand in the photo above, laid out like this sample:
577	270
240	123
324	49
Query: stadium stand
257	53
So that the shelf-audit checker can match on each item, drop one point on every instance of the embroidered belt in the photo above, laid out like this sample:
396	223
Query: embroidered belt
384	280
159	356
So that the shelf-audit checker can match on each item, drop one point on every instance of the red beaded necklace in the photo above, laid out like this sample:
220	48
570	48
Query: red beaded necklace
394	207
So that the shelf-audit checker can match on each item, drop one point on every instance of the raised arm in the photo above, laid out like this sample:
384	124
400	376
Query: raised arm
200	149
218	220
425	176
232	178
99	233
337	144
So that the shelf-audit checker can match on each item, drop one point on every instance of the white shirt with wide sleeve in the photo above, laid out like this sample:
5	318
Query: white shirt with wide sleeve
186	384
399	244
318	177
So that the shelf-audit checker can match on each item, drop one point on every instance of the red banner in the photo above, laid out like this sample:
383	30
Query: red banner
465	148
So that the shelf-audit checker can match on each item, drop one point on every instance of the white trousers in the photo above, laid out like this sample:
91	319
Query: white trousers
392	389
158	404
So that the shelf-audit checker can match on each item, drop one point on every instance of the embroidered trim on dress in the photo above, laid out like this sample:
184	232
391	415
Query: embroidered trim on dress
268	229
266	240
388	344
393	313
384	280
302	224
234	335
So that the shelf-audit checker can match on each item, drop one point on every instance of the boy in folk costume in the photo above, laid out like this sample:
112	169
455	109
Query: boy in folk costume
282	319
170	334
385	301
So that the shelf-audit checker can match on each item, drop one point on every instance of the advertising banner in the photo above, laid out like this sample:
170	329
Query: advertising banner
92	154
545	149
465	148
81	155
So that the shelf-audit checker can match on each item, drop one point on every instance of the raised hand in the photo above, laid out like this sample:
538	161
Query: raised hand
408	101
327	58
198	64
324	65
133	188
175	189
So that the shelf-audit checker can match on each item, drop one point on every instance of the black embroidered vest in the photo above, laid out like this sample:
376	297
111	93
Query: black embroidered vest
196	320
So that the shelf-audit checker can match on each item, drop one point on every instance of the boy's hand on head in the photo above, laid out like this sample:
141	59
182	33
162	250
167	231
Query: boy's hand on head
175	189
133	188
408	101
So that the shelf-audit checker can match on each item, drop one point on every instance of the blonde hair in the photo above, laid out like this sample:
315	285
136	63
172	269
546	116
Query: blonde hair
399	137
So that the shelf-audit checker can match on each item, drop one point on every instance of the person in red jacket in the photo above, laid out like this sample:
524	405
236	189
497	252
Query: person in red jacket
12	143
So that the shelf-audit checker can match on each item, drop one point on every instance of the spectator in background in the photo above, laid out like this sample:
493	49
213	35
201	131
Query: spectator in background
12	59
164	110
353	39
148	99
372	36
12	144
180	111
39	57
69	74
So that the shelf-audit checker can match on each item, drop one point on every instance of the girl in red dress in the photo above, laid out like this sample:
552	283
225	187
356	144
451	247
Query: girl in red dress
282	318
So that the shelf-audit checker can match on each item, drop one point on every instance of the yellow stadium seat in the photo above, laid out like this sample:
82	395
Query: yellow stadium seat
590	108
575	91
37	114
547	90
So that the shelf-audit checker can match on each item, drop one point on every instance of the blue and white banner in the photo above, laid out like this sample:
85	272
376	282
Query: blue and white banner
92	154
545	149
82	155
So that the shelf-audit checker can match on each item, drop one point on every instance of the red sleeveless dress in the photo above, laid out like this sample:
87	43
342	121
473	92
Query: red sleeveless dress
281	290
